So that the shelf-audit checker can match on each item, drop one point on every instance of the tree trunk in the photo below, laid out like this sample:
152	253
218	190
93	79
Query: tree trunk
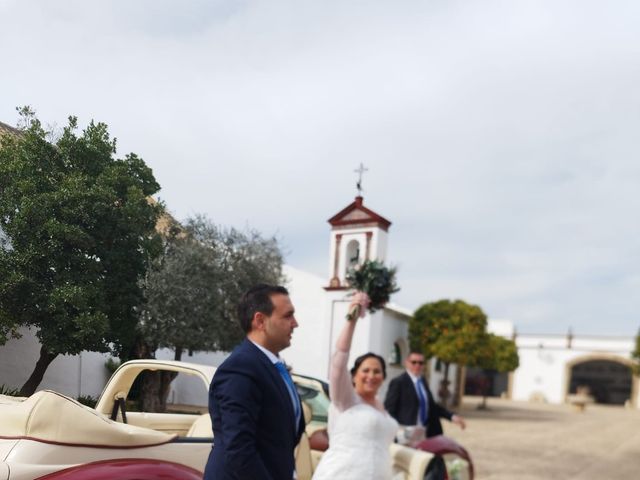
178	355
444	393
140	350
34	380
485	391
458	390
155	389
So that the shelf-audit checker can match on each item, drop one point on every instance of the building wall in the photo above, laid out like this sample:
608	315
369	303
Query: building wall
544	370
543	373
387	328
73	375
312	309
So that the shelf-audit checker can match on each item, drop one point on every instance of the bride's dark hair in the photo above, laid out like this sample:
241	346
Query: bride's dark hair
362	358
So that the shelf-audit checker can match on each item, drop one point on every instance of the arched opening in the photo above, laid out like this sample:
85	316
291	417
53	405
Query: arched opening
608	381
353	253
490	383
395	355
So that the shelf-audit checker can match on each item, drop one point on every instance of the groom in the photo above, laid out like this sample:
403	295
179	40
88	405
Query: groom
255	409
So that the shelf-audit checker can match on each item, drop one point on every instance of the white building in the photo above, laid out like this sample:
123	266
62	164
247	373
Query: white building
552	367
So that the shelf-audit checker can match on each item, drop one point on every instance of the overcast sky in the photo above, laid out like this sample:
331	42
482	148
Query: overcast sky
502	137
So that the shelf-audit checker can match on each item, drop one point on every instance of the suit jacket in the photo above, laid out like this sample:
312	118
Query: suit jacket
254	427
402	404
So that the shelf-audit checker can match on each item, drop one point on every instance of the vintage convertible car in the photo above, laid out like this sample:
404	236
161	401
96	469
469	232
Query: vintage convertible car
49	436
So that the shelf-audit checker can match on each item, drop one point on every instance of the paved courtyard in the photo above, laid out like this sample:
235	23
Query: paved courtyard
526	441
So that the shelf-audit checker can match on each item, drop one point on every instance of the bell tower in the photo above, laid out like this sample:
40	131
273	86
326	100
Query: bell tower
357	234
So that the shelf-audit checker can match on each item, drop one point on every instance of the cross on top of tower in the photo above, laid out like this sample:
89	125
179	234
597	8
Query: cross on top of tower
360	170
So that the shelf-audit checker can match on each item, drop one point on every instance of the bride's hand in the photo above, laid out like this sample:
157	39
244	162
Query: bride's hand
361	301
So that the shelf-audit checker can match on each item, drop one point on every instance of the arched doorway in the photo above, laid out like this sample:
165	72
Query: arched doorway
609	380
488	383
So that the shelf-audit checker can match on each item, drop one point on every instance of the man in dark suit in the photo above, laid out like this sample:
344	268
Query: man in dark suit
255	410
410	401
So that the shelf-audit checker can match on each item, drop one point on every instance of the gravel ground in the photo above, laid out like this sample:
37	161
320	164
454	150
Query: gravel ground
525	441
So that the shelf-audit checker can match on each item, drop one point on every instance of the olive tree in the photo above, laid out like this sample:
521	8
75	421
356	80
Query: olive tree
193	288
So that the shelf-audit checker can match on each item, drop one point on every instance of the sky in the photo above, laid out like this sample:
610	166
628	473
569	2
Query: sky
501	138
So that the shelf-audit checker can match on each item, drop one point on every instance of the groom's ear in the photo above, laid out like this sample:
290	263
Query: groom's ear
258	321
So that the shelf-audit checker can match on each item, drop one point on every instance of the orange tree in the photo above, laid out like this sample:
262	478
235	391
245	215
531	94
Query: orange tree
635	355
497	354
451	331
76	235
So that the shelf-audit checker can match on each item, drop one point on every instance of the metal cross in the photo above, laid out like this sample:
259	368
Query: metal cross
360	170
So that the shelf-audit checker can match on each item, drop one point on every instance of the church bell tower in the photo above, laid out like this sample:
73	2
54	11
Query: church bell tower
357	234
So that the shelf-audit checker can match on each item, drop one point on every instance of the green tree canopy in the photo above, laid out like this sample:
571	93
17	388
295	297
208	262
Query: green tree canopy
78	234
635	355
193	289
501	354
497	354
452	331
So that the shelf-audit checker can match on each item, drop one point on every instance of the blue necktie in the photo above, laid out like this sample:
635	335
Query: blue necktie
423	403
291	388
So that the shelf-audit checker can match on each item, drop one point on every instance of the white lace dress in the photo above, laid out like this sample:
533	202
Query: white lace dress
359	433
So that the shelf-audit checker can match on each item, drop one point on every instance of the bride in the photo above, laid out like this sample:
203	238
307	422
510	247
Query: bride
360	430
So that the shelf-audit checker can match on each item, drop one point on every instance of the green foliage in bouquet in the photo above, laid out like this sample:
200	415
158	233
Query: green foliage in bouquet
374	279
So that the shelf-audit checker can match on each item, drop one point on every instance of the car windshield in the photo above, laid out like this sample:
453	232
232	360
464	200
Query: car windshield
317	400
168	392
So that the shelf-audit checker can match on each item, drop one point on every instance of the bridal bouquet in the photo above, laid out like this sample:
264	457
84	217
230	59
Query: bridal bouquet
374	279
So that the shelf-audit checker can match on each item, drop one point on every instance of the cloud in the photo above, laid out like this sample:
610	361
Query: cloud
501	137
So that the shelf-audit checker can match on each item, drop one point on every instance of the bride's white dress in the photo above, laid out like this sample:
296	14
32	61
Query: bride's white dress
359	445
359	433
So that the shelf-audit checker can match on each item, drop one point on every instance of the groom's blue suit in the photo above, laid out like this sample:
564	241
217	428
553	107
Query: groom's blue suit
254	425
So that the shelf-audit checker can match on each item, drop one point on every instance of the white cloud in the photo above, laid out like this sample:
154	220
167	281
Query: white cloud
501	137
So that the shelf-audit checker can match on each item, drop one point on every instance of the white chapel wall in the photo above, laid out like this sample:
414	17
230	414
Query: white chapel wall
379	249
388	327
308	354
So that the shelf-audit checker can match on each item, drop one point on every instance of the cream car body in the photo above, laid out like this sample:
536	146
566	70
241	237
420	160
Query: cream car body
53	437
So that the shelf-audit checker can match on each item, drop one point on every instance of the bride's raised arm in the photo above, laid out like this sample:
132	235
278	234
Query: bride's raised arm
341	386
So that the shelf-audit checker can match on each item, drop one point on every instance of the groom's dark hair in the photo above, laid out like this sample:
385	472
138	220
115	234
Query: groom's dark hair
257	299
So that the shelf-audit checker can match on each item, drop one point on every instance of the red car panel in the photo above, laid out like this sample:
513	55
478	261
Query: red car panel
129	469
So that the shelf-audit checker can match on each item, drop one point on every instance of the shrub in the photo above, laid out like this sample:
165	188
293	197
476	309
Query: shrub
88	400
12	392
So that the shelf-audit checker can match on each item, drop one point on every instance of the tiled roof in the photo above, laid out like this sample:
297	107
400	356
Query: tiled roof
357	214
4	128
